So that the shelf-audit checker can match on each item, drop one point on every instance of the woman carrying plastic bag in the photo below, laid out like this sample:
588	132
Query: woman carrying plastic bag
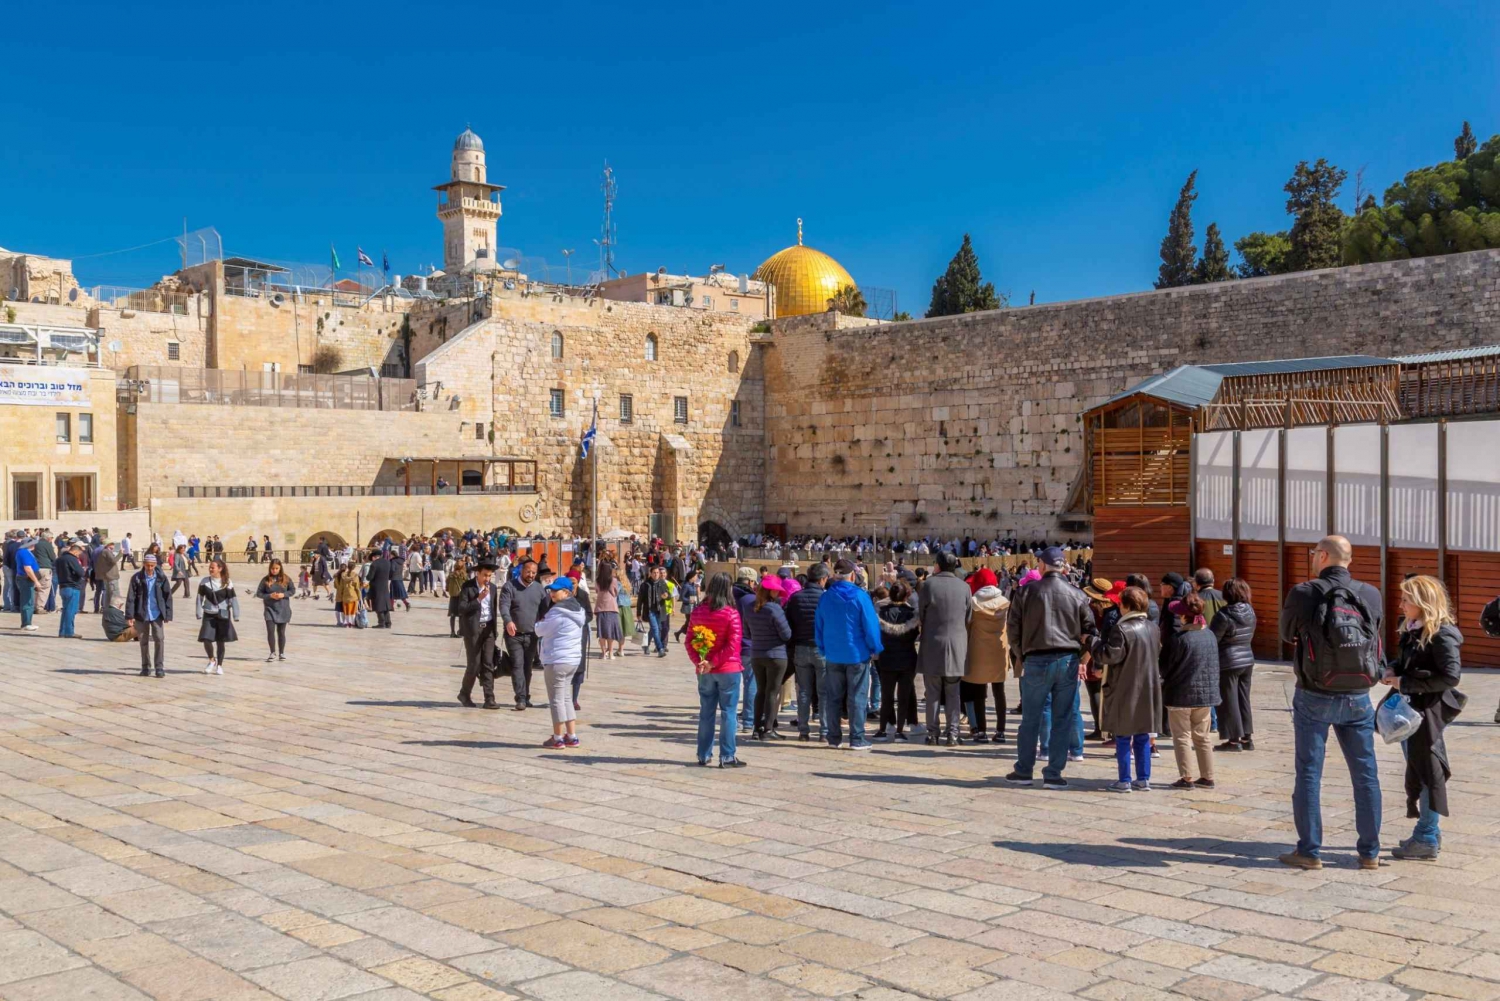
1427	670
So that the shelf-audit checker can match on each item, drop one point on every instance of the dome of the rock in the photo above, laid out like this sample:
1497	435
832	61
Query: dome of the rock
805	278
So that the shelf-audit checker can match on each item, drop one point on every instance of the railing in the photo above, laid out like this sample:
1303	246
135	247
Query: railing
335	490
143	300
242	388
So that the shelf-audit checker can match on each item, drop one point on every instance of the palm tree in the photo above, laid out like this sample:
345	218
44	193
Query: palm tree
848	300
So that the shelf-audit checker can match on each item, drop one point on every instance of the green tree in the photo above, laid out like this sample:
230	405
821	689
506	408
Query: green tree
1317	234
1443	209
1465	144
1263	254
1213	266
1177	249
961	289
848	300
900	316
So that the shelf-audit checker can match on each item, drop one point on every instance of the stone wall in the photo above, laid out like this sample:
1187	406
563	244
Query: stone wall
32	276
170	445
251	332
145	337
972	423
502	371
29	449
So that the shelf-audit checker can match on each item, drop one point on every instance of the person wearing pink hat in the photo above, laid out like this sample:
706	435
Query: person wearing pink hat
769	632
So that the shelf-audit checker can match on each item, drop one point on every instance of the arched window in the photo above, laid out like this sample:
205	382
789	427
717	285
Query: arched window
651	347
734	361
557	345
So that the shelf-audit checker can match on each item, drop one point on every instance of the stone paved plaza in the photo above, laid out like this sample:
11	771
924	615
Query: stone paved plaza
338	827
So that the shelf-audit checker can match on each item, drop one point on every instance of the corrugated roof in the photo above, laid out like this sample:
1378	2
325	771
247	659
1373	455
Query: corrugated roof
1289	365
1188	385
1196	385
1460	354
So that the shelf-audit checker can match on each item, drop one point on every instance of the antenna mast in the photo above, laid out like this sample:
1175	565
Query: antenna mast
607	232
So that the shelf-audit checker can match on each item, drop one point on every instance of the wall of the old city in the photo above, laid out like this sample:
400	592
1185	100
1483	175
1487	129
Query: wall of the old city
250	332
971	423
502	370
29	449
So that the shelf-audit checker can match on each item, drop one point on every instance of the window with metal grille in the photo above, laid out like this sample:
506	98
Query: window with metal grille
734	413
679	409
174	351
479	430
555	402
627	408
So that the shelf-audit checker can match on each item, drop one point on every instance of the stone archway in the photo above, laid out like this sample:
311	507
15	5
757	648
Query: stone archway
395	537
712	535
335	542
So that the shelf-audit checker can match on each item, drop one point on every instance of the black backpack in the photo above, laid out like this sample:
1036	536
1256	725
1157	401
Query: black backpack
1489	619
1341	644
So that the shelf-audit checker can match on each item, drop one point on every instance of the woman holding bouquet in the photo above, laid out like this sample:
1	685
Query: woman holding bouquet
713	645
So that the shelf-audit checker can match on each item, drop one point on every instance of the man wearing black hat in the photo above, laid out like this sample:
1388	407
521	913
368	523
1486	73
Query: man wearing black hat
479	620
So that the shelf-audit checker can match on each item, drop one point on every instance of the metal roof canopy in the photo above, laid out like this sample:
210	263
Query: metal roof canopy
253	265
1460	354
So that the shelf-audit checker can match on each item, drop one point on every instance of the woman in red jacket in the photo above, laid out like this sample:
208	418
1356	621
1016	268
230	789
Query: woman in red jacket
713	645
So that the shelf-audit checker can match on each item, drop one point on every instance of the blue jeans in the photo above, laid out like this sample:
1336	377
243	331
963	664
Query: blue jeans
25	598
811	671
1044	677
747	692
1139	746
71	596
1353	721
875	692
658	631
716	698
10	591
1426	832
1044	734
845	683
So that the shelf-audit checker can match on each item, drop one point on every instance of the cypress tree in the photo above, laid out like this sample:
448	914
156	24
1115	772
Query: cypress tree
961	289
1213	266
1317	235
1465	144
1177	249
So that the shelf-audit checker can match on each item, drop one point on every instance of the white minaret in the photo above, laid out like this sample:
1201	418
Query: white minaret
469	207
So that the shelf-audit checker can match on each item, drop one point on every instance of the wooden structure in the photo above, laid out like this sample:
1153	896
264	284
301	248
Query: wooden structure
1160	504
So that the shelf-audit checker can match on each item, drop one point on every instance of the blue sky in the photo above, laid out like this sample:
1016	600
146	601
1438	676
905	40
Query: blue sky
1058	135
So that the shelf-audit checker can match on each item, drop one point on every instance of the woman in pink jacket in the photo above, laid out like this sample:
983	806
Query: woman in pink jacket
713	645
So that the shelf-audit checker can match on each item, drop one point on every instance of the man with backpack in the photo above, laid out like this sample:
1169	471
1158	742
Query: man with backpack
1333	623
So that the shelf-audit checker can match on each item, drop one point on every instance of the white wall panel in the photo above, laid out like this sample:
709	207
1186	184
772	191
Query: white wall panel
1414	486
1474	485
1214	482
1306	484
1258	461
1356	493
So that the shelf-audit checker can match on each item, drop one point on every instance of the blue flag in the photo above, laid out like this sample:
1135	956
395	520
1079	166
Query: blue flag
588	436
385	262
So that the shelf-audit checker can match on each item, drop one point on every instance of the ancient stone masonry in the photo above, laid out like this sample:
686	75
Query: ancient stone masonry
972	423
503	372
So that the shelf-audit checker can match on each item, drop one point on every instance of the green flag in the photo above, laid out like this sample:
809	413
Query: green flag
335	255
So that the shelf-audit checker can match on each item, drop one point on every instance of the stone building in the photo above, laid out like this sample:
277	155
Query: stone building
467	407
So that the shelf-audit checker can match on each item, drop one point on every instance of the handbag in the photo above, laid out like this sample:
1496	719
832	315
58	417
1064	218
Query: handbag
1396	719
361	620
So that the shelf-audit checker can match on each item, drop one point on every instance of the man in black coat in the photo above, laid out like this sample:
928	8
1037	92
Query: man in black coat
382	572
148	605
479	620
801	615
521	604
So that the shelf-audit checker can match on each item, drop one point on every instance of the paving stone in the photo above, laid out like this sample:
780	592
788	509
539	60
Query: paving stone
508	966
233	941
585	946
422	975
83	923
321	979
83	984
25	954
927	975
418	932
580	986
697	979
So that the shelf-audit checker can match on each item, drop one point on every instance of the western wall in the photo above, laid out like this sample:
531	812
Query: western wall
972	424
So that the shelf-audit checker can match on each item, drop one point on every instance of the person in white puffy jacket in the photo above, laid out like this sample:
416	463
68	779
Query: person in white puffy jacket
560	632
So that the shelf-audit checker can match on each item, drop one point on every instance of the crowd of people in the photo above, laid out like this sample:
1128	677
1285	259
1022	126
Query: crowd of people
845	645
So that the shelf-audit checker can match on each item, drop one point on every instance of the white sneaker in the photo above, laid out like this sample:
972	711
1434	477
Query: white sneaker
218	668
208	668
30	628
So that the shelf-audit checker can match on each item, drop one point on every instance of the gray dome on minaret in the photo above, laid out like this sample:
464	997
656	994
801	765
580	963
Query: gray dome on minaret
468	140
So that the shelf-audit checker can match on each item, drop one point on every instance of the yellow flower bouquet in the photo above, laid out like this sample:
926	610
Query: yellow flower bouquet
702	640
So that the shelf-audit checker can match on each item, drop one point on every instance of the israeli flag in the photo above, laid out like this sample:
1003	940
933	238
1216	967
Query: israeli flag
364	258
588	436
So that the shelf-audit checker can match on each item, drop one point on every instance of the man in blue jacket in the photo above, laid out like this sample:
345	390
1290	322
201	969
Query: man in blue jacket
847	633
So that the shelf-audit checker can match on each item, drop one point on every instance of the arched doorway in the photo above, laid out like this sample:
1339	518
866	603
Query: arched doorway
712	535
386	534
335	543
453	533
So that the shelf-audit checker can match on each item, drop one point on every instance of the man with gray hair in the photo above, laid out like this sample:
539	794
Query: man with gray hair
1049	626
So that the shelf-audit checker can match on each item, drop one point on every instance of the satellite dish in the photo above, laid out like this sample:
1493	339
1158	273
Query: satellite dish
510	264
15	293
72	295
116	347
278	299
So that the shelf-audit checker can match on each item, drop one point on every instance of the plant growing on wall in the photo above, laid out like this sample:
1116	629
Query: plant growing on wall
848	300
328	358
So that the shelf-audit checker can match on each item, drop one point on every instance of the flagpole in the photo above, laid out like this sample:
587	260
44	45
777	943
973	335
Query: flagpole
594	517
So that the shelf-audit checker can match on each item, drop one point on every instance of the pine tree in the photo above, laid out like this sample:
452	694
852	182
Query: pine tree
1317	236
1213	266
1465	145
960	288
1177	249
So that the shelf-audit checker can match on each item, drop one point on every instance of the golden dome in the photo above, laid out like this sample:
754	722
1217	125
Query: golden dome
805	278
